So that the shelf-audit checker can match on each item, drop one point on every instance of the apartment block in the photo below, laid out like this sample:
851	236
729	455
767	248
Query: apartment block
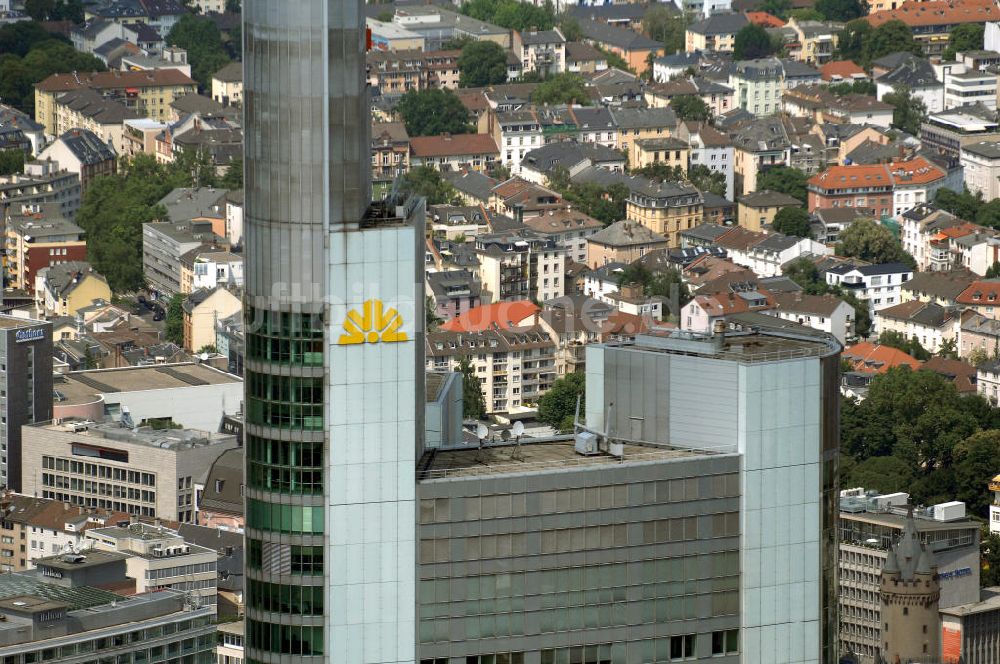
37	238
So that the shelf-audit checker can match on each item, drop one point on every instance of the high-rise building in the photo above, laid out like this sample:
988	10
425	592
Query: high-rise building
25	388
334	342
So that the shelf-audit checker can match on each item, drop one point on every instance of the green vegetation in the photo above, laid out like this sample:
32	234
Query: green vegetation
659	170
851	40
665	283
690	107
871	241
432	112
482	63
667	26
792	221
993	271
840	10
203	42
511	14
558	406
473	403
233	177
705	179
909	111
808	14
565	88
890	37
427	182
964	37
607	206
909	346
174	326
11	161
915	433
752	41
856	87
785	179
29	54
54	10
971	207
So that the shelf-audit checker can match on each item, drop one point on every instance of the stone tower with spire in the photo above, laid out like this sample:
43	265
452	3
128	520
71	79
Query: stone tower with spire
910	590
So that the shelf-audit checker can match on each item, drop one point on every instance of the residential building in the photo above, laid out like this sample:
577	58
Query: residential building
36	239
718	97
146	472
922	225
163	245
160	559
149	93
712	149
978	332
872	358
758	209
582	58
665	208
867	187
203	309
940	287
634	47
26	374
757	147
982	296
171	57
520	265
634	124
969	88
947	132
87	109
624	241
139	136
150	392
826	313
981	166
447	152
932	21
930	323
438	25
387	36
568	228
229	648
757	85
542	51
768	256
516	132
393	73
878	285
514	366
503	315
208	269
870	527
390	154
454	292
19	131
707	310
227	85
671	152
843	71
988	387
64	289
541	163
817	40
714	33
80	151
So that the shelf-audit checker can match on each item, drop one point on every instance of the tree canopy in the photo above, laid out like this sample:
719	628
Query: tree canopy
54	10
427	182
854	87
565	88
173	328
851	40
11	161
792	221
964	37
203	42
752	41
662	283
690	107
840	10
482	63
558	405
911	346
473	403
705	179
666	26
605	205
871	241
44	56
433	111
909	111
785	179
511	14
890	37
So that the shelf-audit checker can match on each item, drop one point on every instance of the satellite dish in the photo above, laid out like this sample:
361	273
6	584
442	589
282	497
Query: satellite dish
481	431
518	429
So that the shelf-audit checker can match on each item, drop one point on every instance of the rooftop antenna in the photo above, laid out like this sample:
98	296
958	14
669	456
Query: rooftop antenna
481	432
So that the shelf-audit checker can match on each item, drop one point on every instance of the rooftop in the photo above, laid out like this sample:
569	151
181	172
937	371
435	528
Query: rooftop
78	387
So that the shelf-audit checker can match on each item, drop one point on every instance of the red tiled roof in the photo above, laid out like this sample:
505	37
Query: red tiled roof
980	293
915	171
938	12
764	19
845	69
853	176
452	144
501	314
869	357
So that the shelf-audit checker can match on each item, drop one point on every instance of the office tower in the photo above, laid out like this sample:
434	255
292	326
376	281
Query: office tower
25	388
767	391
334	312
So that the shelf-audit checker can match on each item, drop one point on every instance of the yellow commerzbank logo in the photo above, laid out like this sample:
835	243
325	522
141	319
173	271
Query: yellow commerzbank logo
372	325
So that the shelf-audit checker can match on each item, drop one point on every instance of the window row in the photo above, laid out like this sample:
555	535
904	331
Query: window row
299	352
282	324
279	598
290	558
284	639
284	452
292	389
307	417
300	481
284	518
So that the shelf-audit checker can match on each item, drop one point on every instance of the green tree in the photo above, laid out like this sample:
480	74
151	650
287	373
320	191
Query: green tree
792	221
427	182
18	75
666	26
948	348
852	39
911	346
431	319
233	177
563	88
690	107
11	161
203	42
993	271
855	87
989	214
511	14
20	37
840	10
705	179
961	204
862	313
885	474
570	28
978	357
235	6
779	8
662	283
659	170
751	42
482	63
432	112
964	37
909	111
990	554
785	179
807	14
805	273
558	405
977	459
174	326
871	241
890	37
473	403
54	10
386	15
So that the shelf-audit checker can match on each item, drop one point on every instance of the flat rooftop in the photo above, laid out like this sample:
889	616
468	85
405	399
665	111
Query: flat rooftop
78	387
93	433
536	457
71	561
895	519
14	322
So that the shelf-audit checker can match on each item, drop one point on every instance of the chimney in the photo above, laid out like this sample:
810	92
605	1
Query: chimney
719	335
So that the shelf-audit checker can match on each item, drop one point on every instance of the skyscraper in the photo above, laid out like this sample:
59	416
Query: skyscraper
333	346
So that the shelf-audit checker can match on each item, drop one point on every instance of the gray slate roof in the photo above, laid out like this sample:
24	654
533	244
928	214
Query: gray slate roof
720	24
626	233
